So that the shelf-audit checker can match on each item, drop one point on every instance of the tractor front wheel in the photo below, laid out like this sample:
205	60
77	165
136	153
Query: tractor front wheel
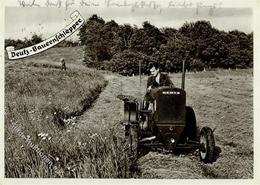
191	125
207	145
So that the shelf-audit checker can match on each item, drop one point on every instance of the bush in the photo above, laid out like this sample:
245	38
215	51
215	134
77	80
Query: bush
127	63
197	65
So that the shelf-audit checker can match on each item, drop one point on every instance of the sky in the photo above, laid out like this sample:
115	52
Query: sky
23	22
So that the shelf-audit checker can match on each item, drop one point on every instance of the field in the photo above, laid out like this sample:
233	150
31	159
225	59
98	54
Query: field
42	105
88	142
221	100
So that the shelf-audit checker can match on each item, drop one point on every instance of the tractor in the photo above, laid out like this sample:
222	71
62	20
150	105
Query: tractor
169	125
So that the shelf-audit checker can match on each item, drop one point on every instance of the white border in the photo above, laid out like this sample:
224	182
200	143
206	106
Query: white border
228	3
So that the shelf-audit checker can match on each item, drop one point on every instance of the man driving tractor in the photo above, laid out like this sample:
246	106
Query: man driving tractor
170	125
157	79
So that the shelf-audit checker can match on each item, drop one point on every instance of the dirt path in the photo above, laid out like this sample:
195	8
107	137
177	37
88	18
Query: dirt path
228	108
106	111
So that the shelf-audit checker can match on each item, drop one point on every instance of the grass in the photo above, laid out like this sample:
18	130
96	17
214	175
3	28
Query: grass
222	99
45	102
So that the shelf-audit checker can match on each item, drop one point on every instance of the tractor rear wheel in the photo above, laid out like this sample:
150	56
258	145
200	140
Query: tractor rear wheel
131	148
133	143
207	143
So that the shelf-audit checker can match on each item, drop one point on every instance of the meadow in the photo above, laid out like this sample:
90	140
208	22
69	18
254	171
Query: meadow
74	116
42	105
221	99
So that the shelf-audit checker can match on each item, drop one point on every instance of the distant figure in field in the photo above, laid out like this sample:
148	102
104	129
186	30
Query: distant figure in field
63	64
157	79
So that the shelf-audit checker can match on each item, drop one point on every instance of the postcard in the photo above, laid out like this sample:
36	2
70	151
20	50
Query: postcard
129	91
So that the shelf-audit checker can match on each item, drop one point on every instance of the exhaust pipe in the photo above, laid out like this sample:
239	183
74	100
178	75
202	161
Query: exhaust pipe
183	70
183	75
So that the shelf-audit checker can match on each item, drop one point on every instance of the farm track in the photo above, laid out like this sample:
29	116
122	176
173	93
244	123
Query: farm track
218	101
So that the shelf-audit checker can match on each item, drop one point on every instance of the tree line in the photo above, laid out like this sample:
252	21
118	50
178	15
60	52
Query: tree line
35	39
120	48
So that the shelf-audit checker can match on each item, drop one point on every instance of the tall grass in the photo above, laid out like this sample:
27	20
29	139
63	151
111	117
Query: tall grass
44	103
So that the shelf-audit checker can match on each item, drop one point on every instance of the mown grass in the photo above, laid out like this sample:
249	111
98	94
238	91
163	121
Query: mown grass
44	103
221	99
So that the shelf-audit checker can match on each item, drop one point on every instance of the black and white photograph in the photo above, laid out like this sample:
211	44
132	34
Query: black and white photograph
129	89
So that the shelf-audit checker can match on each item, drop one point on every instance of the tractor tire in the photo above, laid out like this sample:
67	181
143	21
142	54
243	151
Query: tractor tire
207	142
133	143
131	154
191	124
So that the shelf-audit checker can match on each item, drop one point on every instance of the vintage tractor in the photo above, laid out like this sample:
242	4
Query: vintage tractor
169	125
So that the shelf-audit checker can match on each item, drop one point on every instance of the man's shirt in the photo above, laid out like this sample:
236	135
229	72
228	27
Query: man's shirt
162	79
157	78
